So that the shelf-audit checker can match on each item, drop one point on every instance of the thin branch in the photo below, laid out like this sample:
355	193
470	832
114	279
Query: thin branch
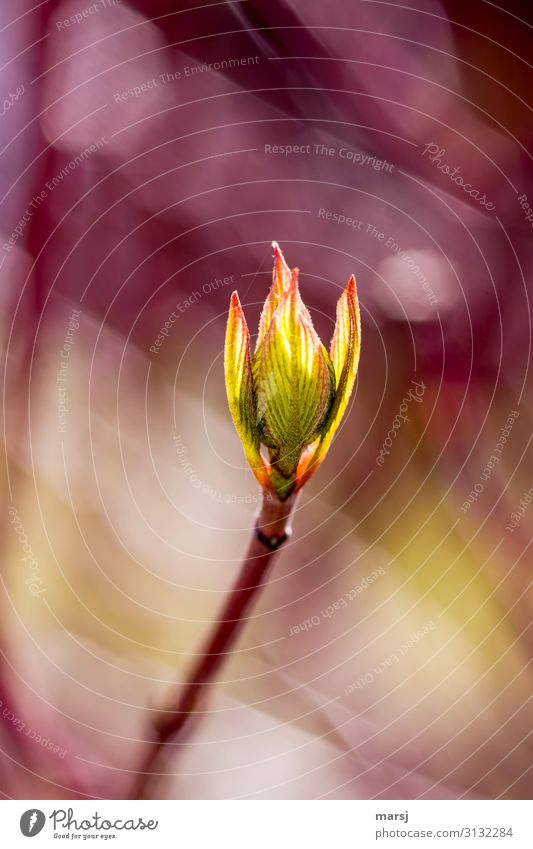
174	725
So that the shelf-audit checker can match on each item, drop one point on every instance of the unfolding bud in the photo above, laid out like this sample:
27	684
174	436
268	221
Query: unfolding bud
291	395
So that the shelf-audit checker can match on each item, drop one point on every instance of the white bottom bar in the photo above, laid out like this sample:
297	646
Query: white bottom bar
268	825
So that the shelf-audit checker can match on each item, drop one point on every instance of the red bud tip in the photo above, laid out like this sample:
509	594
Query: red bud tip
235	302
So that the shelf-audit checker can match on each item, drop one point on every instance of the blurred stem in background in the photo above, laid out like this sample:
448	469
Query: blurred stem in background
174	725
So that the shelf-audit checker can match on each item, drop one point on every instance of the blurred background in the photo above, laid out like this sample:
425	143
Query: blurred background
150	152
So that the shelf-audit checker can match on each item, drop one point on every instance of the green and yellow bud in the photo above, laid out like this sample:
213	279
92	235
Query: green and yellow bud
291	395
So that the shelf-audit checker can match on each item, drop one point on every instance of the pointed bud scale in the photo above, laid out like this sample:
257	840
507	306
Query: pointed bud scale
292	395
281	279
344	351
238	371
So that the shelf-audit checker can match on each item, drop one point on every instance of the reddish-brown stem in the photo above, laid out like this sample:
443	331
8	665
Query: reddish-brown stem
271	531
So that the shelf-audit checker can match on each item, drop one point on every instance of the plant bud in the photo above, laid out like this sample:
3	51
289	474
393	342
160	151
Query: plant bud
291	395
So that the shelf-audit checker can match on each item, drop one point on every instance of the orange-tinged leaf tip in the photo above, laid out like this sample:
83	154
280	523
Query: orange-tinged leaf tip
236	315
293	285
281	273
278	253
235	302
